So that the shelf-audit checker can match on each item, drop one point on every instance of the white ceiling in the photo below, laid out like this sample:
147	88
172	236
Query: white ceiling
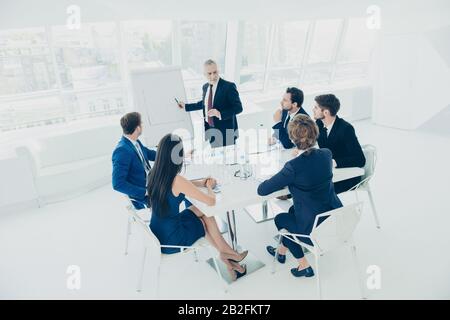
402	15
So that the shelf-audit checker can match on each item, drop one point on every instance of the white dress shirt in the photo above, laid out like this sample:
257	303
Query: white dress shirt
329	127
290	117
140	154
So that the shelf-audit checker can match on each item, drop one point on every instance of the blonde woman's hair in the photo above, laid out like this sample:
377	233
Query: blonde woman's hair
303	132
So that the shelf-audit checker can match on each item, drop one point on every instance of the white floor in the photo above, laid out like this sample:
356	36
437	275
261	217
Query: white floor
412	248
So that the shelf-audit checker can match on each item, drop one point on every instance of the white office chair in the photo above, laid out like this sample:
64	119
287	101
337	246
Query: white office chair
145	214
334	232
141	215
152	244
370	152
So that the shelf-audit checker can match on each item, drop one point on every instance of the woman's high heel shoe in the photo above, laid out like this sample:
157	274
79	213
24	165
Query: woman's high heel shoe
233	257
236	274
236	266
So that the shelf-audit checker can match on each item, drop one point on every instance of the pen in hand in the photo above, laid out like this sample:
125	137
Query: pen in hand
179	103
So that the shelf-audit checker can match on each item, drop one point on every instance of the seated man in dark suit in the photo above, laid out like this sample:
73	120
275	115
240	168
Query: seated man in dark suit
130	161
291	105
220	104
339	136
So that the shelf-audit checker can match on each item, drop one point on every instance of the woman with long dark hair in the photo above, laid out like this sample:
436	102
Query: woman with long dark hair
167	189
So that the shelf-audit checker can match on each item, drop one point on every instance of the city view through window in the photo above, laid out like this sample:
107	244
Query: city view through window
52	74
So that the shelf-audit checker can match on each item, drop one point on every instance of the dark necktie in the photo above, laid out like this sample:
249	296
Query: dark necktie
286	121
210	105
141	156
326	132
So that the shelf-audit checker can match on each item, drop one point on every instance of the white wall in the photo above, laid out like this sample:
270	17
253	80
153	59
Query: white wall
412	81
411	75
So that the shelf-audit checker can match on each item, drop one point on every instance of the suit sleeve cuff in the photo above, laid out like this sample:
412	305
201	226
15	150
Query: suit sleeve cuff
277	125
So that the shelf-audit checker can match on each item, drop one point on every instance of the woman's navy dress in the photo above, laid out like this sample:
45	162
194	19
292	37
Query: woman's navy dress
174	227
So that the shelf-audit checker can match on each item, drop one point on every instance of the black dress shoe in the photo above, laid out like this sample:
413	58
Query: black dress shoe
307	272
272	251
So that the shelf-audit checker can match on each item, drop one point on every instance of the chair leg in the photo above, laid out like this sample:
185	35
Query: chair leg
141	271
195	255
41	202
374	210
127	236
358	275
319	291
274	264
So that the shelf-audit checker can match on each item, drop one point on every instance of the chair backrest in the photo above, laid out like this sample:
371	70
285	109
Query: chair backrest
150	240
337	229
370	153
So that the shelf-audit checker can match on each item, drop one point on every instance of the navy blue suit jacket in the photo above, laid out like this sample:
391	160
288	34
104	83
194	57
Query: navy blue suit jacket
128	174
280	129
309	179
228	103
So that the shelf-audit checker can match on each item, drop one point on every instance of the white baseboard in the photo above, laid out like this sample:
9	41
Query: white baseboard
20	206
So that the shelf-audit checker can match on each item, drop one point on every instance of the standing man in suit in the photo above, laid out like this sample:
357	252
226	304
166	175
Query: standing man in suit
291	105
130	161
220	105
339	136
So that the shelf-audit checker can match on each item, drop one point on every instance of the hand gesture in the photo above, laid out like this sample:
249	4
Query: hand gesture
210	183
214	113
277	116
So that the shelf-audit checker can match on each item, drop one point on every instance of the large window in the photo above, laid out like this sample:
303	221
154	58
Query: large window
25	62
303	53
28	84
88	57
289	44
200	41
88	62
324	41
288	51
321	55
148	43
52	74
255	48
358	42
354	56
31	111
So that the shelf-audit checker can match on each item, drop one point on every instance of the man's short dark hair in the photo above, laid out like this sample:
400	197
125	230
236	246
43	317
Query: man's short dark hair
130	122
296	95
329	102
